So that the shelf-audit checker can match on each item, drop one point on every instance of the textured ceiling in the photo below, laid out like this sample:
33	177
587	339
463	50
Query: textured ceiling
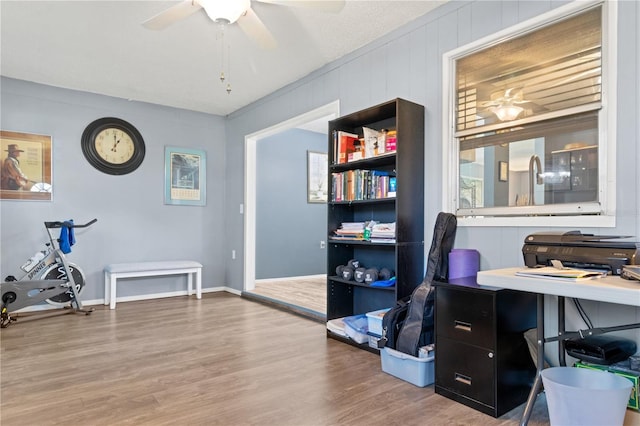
101	47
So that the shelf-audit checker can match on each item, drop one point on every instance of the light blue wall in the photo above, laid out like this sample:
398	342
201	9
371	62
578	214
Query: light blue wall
288	229
133	224
408	64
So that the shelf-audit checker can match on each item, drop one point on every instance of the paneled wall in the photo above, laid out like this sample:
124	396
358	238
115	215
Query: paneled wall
408	63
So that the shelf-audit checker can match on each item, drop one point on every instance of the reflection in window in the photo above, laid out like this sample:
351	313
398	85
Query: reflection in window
527	121
551	163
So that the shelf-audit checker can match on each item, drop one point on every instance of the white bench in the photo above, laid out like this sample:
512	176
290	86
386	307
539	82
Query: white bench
147	269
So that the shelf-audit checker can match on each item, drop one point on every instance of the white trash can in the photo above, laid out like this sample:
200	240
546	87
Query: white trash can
583	397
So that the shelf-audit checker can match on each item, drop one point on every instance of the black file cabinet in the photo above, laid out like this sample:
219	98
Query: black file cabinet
482	359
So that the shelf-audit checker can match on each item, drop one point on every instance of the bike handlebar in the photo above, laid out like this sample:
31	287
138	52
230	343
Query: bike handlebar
67	224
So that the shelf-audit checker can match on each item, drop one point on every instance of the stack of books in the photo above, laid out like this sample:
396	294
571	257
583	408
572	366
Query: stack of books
350	231
383	233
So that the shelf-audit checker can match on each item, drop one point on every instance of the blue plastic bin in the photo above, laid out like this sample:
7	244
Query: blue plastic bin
357	327
418	371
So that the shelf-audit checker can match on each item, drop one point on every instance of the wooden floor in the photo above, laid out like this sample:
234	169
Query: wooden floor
221	360
306	296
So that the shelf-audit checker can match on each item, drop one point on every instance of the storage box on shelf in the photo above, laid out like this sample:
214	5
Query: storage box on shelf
374	320
356	328
383	186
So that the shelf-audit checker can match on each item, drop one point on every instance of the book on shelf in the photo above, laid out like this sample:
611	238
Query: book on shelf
390	141
383	233
355	152
383	240
343	144
392	186
352	231
356	185
353	225
374	142
563	274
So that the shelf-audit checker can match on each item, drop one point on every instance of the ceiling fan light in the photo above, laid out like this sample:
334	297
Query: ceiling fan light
507	112
227	11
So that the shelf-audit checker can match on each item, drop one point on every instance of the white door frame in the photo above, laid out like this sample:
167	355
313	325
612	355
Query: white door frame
331	110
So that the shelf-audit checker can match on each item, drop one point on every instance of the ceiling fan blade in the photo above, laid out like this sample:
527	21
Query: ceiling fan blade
332	6
175	13
255	29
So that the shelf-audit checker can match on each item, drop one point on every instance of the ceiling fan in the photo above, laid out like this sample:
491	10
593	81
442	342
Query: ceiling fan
240	11
505	104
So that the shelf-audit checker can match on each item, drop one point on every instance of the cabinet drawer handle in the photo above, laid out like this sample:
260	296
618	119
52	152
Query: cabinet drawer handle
463	379
461	325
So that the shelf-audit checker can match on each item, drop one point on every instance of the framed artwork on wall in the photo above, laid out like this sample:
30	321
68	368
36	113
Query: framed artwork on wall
25	172
504	171
185	176
317	169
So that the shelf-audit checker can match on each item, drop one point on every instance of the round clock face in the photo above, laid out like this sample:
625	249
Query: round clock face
113	146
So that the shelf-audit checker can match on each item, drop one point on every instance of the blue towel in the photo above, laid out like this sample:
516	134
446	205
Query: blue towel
384	283
67	239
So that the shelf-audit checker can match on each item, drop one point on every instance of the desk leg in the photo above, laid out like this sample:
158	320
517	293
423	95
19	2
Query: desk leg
561	331
537	383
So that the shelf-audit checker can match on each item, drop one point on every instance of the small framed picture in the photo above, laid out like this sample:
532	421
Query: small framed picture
504	171
185	176
25	166
317	170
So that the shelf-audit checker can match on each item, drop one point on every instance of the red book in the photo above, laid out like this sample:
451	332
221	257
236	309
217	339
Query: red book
390	144
346	145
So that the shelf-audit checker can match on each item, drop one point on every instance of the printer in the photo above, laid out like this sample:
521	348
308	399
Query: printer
578	250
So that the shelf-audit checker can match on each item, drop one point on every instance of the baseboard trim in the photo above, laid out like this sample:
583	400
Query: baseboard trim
47	307
302	277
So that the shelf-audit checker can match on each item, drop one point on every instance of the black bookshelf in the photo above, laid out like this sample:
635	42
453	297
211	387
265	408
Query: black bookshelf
406	255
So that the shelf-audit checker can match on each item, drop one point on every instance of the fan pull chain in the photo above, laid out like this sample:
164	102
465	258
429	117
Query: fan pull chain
224	77
221	39
229	67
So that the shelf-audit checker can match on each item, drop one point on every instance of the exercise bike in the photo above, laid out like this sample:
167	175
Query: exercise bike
48	277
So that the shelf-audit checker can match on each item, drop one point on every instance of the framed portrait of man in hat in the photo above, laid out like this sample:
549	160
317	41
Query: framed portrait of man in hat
25	166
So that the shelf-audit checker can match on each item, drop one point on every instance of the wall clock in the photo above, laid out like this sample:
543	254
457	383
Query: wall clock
113	146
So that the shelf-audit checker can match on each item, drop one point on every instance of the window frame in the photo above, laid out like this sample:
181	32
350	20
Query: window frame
540	215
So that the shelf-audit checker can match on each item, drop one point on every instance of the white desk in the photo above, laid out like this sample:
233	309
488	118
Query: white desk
611	289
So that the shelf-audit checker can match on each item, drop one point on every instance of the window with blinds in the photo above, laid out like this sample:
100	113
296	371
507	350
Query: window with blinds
549	71
527	118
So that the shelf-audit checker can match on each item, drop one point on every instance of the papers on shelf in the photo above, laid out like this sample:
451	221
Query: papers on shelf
383	233
350	231
564	274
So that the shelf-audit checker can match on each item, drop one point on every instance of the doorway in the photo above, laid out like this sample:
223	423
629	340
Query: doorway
291	290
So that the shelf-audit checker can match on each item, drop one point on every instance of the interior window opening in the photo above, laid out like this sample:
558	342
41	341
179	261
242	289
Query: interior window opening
529	119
